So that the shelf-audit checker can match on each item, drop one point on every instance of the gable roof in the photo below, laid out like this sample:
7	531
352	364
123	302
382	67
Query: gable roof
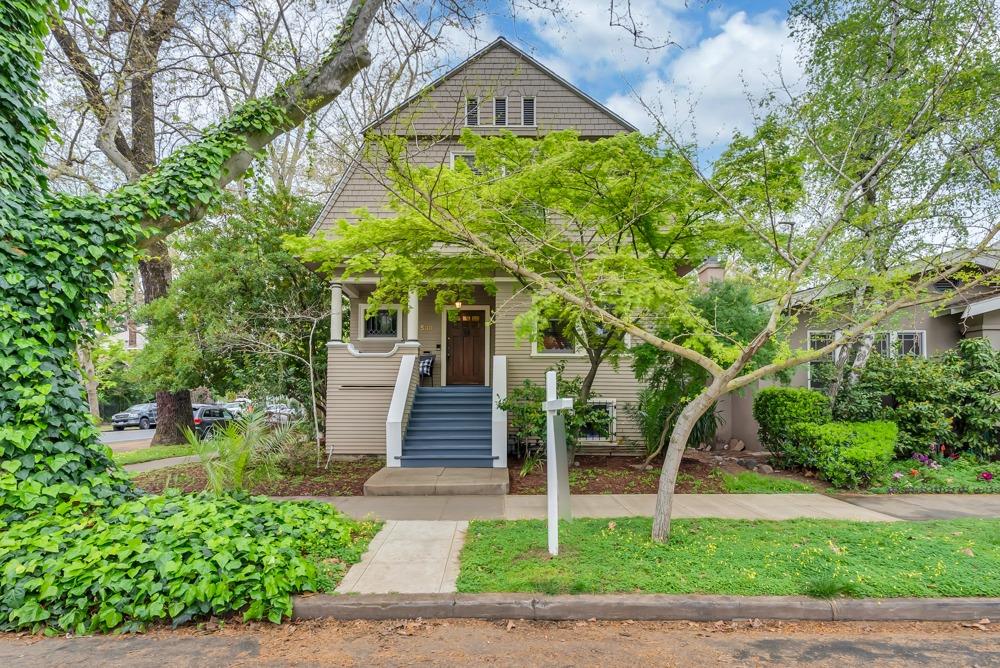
498	42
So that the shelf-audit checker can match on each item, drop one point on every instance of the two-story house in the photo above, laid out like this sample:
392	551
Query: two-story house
377	401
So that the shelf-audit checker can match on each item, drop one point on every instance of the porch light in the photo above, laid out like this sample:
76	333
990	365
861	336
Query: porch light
458	304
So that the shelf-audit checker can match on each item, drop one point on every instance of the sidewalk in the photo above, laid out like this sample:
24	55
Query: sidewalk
513	507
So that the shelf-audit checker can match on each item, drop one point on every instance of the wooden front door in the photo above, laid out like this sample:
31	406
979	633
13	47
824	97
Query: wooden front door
467	348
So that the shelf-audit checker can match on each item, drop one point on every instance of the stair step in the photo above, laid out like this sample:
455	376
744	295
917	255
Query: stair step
453	401
482	444
455	389
420	461
449	423
447	453
481	431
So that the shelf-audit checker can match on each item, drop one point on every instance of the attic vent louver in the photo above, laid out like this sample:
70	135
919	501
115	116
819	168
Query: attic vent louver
528	111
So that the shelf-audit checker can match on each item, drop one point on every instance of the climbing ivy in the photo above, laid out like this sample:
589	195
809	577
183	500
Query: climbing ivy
58	258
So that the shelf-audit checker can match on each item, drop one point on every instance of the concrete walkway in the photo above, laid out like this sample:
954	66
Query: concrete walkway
928	506
161	463
408	557
513	507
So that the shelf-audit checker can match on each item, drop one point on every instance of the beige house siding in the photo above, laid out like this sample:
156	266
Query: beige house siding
359	390
619	384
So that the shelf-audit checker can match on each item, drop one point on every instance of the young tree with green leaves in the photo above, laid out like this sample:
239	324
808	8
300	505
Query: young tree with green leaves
619	221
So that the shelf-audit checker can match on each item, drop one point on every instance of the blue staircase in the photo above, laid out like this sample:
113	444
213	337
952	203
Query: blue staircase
449	426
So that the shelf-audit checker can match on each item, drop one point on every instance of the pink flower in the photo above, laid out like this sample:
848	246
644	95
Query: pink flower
897	475
986	475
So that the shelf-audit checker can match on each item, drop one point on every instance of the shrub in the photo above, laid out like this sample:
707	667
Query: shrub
846	454
169	558
777	409
951	400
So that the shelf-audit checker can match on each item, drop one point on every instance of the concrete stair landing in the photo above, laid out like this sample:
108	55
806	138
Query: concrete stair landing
438	481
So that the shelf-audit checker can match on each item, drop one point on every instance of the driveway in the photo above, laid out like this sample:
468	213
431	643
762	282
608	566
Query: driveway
928	506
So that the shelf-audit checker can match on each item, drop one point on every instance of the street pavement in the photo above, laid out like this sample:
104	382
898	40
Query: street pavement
523	643
126	436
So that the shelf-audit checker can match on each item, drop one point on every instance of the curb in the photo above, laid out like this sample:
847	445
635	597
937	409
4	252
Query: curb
639	607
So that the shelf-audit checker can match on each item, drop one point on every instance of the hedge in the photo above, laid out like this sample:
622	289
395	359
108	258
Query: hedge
777	409
846	454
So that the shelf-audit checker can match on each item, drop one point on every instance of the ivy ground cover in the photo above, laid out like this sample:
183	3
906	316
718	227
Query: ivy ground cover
171	558
714	556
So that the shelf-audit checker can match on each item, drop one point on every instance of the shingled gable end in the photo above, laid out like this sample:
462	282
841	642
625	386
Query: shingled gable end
435	117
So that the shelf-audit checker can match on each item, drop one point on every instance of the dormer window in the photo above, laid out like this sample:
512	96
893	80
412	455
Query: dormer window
499	111
527	111
472	111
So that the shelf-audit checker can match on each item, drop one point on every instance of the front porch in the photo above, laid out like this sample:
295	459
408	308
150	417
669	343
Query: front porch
420	386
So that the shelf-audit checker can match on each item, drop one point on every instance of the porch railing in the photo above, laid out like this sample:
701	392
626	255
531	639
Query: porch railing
499	416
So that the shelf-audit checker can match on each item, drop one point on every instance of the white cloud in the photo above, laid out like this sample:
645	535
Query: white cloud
704	90
585	47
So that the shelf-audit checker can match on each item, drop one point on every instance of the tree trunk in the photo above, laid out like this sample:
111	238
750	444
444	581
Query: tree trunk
89	379
672	461
173	409
173	413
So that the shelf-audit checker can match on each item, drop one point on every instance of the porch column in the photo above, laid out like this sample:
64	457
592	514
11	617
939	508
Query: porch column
336	312
412	317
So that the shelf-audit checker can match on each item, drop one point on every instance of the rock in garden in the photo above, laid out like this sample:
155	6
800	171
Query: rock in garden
765	468
736	445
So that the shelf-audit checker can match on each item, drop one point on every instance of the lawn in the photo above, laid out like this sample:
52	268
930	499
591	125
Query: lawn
152	453
750	482
715	556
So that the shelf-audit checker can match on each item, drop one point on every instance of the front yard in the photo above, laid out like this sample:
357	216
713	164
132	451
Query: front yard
821	558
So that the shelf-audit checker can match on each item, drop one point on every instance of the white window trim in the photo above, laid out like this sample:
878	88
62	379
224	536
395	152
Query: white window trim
579	351
479	108
613	437
459	154
893	338
444	339
535	102
362	307
506	112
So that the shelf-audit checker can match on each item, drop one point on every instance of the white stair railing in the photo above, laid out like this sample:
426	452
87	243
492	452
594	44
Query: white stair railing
499	416
397	410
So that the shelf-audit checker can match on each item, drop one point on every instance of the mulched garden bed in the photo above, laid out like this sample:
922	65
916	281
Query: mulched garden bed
343	478
618	475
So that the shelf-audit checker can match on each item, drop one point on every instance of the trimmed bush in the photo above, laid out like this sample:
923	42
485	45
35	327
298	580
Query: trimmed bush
846	454
777	409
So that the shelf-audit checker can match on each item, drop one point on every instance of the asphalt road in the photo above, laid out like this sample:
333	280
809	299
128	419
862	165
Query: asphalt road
129	434
518	643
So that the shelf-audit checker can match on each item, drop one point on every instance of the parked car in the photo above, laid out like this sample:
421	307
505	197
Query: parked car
142	416
239	406
207	416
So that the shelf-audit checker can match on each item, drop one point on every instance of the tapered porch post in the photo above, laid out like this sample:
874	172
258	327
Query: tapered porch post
336	312
412	317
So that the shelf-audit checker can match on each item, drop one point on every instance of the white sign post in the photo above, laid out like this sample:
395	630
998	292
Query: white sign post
557	468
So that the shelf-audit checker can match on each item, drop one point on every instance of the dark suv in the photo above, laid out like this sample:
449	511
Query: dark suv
142	416
206	416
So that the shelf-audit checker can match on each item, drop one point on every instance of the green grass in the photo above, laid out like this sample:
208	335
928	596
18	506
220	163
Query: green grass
152	454
750	482
714	556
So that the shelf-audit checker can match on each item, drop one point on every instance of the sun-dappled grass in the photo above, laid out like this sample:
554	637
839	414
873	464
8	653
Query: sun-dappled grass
715	556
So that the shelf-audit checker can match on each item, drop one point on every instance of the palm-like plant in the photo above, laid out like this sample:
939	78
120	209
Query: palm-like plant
243	451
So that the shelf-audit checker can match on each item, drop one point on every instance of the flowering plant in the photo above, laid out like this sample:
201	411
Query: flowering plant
986	476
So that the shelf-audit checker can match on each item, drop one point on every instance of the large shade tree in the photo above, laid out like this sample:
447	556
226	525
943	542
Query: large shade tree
59	253
610	227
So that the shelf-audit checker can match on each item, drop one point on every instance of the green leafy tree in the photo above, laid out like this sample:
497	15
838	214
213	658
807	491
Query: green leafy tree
618	221
116	389
243	315
59	253
670	381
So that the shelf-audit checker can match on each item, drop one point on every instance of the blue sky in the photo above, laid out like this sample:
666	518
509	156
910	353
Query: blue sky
725	52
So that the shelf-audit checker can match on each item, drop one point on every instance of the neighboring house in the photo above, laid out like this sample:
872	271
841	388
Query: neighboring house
925	330
374	405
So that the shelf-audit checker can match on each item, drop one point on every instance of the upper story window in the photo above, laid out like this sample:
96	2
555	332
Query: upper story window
472	111
527	111
382	323
468	158
499	111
